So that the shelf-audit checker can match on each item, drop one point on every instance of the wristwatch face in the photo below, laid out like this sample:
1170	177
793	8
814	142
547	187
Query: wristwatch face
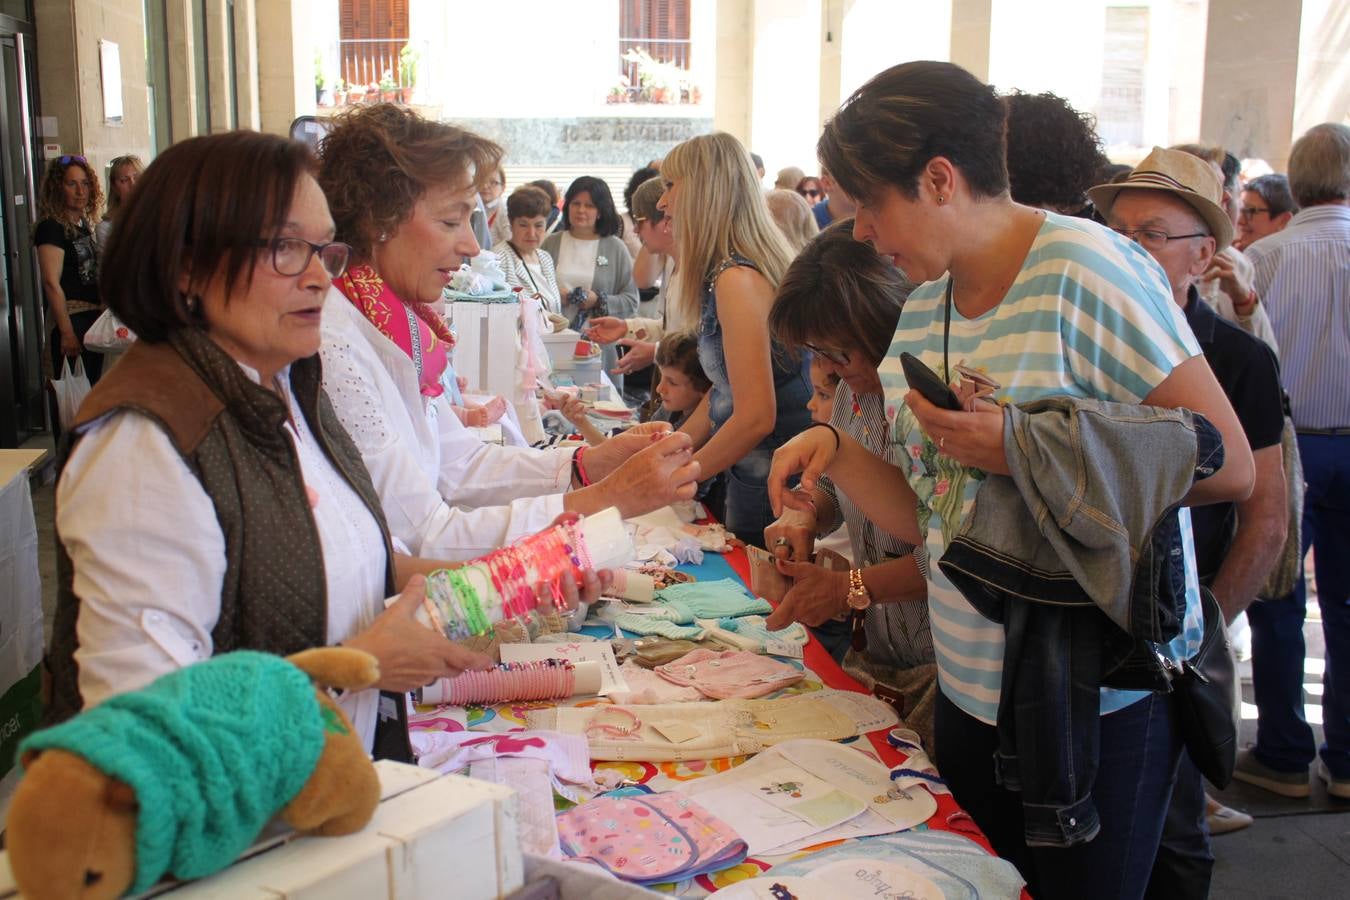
859	599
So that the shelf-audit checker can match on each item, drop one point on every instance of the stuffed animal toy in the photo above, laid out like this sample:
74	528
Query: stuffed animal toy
180	777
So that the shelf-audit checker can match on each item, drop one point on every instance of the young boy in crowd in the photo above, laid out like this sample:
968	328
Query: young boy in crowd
681	388
823	386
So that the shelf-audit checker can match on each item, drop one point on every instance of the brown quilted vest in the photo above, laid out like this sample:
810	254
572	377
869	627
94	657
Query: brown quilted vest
231	433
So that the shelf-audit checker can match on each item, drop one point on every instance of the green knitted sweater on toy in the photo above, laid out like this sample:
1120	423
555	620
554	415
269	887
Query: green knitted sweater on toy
213	752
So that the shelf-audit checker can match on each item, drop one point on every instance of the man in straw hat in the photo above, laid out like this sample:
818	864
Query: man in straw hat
1170	204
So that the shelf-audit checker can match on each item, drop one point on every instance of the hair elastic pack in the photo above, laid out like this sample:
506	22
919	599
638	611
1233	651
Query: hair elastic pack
545	679
513	581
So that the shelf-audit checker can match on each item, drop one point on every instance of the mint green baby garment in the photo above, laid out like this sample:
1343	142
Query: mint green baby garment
710	600
213	751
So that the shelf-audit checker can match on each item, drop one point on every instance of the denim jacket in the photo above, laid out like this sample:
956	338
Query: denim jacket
1079	555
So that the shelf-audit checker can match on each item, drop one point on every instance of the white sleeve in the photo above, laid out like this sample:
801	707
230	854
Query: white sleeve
147	552
421	508
474	474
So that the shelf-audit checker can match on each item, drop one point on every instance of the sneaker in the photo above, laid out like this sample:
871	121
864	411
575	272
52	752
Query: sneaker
1286	784
1224	819
1336	787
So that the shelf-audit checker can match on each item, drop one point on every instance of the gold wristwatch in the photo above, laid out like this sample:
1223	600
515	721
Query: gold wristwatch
859	598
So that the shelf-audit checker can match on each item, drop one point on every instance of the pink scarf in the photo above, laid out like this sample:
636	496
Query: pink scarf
395	319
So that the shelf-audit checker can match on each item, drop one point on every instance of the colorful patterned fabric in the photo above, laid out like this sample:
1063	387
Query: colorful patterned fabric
395	319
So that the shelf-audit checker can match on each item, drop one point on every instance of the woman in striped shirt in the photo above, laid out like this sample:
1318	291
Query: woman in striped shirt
1043	305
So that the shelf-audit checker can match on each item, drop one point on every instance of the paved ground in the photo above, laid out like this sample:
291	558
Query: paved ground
1296	849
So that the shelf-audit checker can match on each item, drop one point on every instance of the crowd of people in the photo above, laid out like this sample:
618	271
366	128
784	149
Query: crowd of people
1146	355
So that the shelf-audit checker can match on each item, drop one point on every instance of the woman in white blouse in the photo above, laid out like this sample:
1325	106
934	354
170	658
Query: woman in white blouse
211	502
595	271
525	265
401	189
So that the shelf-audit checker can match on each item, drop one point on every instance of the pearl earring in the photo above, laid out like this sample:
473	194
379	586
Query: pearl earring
384	236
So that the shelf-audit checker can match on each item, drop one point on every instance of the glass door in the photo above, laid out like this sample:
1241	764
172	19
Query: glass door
22	404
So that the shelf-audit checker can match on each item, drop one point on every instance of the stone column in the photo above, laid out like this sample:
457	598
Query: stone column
786	83
285	63
1251	77
971	21
735	54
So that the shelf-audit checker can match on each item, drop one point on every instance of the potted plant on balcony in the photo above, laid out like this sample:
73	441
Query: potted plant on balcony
409	58
387	86
340	93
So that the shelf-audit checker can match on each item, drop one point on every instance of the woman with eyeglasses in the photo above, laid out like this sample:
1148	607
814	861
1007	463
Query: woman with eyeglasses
122	174
68	204
211	500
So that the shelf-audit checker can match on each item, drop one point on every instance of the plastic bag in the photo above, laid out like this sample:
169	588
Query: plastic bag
108	334
71	388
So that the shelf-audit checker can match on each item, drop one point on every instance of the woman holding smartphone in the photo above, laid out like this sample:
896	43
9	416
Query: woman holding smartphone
1041	305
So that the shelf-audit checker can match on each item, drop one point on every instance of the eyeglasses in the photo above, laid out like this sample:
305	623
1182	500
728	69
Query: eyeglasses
1152	239
810	193
291	255
838	357
1250	212
67	160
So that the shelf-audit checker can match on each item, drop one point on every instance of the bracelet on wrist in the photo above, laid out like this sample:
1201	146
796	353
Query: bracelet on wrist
834	431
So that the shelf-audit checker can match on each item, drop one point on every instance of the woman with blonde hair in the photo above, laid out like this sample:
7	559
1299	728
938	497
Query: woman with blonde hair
122	174
794	218
734	257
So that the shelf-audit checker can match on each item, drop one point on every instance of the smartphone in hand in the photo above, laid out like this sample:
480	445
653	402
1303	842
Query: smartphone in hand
926	382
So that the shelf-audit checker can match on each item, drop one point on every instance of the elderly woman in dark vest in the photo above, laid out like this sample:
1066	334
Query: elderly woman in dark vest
211	501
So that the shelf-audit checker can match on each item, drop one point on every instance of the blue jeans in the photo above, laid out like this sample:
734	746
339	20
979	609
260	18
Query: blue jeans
1139	753
1185	861
1284	740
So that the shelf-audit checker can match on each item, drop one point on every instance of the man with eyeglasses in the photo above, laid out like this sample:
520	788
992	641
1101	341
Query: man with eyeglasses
1171	205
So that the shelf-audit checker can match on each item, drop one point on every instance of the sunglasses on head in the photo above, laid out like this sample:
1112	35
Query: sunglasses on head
67	160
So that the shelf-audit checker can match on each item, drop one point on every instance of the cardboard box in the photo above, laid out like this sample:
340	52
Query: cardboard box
433	836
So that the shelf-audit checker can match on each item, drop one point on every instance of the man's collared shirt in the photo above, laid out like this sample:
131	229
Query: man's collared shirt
1249	374
1303	278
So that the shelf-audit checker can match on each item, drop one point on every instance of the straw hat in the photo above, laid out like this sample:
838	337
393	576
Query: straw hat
1182	175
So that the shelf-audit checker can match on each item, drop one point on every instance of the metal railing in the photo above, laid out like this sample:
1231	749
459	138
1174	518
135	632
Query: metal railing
369	61
654	71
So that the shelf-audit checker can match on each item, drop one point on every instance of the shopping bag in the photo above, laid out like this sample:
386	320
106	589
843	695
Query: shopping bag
71	388
108	334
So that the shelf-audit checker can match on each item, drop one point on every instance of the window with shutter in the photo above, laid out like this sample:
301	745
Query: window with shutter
653	42
371	33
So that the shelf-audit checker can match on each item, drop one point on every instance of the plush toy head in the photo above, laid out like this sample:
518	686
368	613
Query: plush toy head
180	777
98	858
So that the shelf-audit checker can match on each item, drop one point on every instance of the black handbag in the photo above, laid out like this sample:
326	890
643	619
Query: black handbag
1204	688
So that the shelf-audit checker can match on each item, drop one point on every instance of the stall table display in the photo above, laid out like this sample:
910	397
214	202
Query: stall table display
536	769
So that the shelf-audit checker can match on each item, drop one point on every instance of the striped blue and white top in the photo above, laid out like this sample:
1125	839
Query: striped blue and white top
1303	280
1089	315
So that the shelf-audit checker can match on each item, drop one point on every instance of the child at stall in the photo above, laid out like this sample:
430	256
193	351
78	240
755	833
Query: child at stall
823	386
681	387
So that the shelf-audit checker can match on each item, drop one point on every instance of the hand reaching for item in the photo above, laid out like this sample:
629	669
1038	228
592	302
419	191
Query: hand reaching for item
606	329
640	355
410	653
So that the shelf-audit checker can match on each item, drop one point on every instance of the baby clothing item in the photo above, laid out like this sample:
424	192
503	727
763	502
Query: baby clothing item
645	687
750	633
650	653
717	729
649	839
448	752
736	674
957	865
917	769
637	623
709	600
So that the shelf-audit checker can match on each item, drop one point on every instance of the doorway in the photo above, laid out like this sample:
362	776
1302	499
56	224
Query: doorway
22	403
